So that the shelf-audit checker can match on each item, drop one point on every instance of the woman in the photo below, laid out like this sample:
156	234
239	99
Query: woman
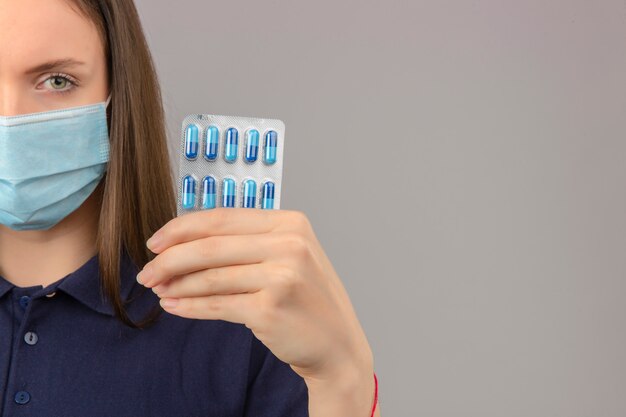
85	181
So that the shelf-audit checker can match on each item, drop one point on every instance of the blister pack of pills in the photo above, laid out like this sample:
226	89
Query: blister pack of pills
230	161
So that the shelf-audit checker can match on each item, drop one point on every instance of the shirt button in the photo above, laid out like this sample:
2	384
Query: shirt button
24	301
22	397
31	338
51	294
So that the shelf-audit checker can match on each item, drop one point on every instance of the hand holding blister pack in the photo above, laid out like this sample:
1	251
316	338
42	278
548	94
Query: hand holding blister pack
230	161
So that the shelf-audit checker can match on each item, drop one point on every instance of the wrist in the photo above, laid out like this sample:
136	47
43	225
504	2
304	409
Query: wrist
349	390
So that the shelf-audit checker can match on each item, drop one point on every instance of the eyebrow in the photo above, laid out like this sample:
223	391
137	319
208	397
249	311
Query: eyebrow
55	64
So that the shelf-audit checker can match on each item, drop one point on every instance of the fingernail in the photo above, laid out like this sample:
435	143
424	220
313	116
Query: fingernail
154	241
158	289
144	276
169	302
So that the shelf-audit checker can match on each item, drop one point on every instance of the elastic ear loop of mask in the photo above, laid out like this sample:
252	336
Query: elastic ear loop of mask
106	105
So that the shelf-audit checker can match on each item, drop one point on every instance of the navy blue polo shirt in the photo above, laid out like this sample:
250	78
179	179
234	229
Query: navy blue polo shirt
63	353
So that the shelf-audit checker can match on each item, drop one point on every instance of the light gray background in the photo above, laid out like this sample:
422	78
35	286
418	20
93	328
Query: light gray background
463	164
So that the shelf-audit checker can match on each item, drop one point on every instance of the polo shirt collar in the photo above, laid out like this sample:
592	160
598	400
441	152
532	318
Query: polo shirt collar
84	284
5	286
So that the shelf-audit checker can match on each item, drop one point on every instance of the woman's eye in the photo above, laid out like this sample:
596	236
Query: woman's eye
58	83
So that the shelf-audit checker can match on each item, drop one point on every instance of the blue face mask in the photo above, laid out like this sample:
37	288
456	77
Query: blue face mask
50	162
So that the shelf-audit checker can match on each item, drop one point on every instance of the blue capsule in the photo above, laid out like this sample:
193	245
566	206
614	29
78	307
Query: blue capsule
268	195
232	140
249	194
189	192
191	142
252	145
271	141
211	143
208	192
228	193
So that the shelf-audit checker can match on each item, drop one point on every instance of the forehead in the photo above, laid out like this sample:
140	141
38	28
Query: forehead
32	31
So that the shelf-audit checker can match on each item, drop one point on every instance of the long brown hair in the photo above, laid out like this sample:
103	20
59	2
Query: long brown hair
136	195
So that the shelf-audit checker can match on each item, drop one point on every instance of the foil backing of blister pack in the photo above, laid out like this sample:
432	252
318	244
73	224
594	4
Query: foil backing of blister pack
239	170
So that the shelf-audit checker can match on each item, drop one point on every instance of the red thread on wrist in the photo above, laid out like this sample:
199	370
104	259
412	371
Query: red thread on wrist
375	394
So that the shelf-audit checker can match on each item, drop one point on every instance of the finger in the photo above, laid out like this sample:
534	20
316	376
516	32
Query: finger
219	221
236	308
225	280
210	252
